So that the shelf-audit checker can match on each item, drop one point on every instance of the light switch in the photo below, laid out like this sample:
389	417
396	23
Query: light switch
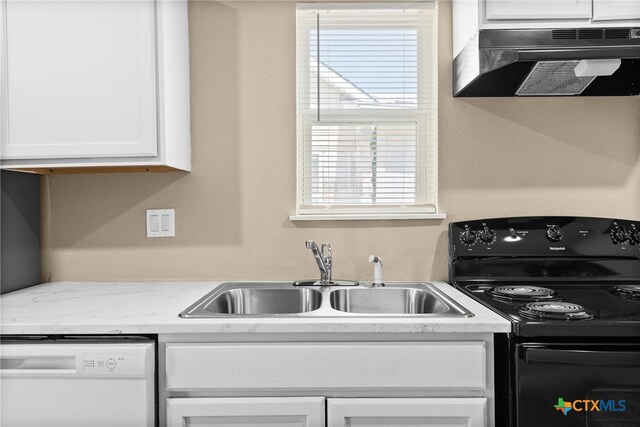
161	223
165	221
154	223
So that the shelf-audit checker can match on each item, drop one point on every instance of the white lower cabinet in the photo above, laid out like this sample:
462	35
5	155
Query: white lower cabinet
442	382
310	412
429	412
246	412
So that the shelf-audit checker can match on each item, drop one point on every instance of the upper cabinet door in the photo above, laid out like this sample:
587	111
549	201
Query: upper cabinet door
80	79
537	9
4	133
604	10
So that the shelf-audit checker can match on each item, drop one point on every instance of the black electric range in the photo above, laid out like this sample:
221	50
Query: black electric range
571	288
559	309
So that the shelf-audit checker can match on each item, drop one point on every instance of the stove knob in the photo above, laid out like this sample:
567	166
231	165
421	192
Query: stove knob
487	235
554	233
468	236
635	234
513	233
619	234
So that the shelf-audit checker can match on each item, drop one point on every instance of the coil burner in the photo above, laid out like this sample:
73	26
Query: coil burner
627	291
555	310
523	293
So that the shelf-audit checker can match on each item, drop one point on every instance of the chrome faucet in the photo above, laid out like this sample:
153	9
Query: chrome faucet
324	259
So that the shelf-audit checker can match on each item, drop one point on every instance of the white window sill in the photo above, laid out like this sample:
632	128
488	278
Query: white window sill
366	217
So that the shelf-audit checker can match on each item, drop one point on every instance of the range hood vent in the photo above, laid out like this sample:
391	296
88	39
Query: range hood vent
542	62
591	34
617	33
563	34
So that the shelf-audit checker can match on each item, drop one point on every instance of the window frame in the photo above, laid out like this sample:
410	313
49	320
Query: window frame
427	207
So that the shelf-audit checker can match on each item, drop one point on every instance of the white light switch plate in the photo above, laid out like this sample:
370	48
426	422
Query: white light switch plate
161	223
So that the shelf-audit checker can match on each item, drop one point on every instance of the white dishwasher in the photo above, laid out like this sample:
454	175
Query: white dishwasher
77	381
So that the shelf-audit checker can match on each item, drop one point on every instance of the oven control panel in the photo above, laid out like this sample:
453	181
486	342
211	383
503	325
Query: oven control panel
545	236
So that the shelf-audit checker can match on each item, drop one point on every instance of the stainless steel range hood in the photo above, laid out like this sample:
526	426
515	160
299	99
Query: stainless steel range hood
549	62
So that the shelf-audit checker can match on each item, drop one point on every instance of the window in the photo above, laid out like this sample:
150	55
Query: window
367	110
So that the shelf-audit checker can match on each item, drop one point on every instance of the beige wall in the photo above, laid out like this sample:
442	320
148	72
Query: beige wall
498	157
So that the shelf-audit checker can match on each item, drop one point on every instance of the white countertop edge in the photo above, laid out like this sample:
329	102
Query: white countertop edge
153	307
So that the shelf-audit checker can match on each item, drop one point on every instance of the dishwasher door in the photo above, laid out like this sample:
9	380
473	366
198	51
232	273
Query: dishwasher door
57	383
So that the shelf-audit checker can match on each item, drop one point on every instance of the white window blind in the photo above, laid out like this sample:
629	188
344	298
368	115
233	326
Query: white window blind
367	108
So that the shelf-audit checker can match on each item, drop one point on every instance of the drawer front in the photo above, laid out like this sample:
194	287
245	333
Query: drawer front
337	366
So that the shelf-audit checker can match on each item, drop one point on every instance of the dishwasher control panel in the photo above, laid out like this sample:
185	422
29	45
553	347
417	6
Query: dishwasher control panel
115	363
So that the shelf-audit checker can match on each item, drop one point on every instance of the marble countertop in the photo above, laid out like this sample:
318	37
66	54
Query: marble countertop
153	307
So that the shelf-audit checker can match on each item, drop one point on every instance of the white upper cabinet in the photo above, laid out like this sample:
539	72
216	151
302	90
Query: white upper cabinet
611	10
537	9
85	83
81	79
472	15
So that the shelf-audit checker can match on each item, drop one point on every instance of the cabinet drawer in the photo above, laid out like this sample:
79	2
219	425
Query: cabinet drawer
336	366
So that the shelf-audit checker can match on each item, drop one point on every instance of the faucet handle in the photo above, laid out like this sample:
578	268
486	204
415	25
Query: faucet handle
327	256
310	244
326	246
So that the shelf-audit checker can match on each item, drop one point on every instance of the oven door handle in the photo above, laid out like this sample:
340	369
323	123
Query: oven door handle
581	357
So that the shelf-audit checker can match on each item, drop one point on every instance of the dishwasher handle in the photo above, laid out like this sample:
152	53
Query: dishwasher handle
27	364
37	360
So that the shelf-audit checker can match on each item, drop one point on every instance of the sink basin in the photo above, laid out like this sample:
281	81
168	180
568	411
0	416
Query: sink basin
255	299
387	301
283	299
265	301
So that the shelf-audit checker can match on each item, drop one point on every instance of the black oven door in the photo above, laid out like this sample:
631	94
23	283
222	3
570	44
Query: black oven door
577	385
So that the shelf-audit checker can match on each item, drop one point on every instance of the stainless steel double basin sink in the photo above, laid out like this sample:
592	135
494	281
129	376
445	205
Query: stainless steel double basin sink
283	299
